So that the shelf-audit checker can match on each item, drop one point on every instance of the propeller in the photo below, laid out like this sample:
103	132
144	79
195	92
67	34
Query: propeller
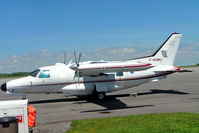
75	67
77	60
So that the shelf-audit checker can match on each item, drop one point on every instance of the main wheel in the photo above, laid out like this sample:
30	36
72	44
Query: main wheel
101	96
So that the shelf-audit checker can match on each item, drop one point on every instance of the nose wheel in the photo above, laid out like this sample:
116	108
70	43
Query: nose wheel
24	97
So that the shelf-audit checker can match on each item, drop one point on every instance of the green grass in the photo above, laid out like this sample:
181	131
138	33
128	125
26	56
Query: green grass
189	66
148	123
197	65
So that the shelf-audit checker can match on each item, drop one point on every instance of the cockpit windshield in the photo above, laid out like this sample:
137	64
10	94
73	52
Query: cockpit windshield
34	73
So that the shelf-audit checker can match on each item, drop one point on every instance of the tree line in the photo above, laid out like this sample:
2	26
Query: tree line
16	74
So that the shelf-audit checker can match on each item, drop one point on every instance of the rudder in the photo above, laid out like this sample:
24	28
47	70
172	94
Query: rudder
167	52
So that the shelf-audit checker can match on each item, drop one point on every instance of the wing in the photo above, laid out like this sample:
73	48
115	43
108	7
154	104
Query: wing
98	68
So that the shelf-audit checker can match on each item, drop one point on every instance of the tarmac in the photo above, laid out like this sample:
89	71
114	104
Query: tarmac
178	93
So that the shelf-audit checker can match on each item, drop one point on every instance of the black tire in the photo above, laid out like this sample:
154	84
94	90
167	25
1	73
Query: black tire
101	96
98	95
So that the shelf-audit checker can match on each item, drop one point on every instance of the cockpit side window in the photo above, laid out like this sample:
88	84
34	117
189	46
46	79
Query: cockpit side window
34	73
44	74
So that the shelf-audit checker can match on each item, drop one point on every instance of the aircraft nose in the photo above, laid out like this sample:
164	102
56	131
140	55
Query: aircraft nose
3	87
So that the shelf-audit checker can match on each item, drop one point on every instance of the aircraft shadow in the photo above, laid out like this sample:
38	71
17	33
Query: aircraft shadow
54	100
111	103
154	91
158	91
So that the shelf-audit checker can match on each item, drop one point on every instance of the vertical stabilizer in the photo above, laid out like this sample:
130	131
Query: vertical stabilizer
165	55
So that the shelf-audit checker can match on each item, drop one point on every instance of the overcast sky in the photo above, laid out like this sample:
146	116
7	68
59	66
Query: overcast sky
36	33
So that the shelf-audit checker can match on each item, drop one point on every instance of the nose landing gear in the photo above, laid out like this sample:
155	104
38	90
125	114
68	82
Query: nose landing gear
23	96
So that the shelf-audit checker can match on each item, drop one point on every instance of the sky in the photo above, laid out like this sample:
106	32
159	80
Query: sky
36	33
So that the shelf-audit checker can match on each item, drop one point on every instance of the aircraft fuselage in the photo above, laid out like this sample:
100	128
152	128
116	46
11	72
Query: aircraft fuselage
62	79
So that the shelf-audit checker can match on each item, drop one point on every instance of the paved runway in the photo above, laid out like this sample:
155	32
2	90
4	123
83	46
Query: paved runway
178	93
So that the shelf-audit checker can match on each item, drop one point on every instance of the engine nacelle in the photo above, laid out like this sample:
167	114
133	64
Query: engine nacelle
79	89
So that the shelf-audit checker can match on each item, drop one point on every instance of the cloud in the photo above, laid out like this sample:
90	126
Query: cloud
196	45
27	62
15	58
115	50
187	56
111	53
45	52
122	51
137	43
30	61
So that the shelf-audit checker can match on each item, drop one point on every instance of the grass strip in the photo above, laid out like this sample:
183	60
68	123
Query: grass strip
147	123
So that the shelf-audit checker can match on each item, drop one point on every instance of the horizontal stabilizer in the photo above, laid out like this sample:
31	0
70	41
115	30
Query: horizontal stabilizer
181	71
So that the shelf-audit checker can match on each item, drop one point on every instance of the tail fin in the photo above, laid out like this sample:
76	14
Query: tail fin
165	55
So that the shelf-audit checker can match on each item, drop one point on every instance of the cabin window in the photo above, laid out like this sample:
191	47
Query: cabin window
34	73
119	74
44	74
80	74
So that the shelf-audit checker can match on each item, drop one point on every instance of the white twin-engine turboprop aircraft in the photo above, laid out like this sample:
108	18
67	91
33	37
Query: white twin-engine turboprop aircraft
99	77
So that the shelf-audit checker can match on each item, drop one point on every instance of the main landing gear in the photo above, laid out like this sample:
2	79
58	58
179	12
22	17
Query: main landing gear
99	95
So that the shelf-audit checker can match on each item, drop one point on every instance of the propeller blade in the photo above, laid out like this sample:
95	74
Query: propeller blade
78	76
75	57
64	57
74	75
70	62
79	59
